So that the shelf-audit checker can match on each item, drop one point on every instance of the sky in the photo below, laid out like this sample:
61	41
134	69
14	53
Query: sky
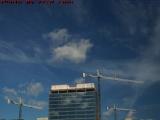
42	45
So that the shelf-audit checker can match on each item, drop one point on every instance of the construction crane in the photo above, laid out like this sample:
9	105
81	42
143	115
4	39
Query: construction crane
117	109
21	104
98	75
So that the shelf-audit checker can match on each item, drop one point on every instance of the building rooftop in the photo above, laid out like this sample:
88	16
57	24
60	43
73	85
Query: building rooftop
65	87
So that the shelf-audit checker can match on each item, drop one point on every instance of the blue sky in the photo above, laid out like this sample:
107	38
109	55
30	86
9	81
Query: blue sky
41	45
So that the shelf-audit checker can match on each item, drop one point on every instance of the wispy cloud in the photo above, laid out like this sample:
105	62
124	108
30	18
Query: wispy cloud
29	90
41	104
130	16
9	91
149	66
146	67
34	89
9	52
80	12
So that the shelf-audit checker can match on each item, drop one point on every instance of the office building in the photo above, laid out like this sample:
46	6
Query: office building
77	102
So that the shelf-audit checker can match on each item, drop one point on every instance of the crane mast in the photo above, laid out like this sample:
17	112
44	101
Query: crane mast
99	98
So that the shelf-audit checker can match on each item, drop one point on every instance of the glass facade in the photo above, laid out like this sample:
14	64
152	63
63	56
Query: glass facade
72	105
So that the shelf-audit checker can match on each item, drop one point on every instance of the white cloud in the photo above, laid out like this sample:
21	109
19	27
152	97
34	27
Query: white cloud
58	36
66	46
75	52
34	89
